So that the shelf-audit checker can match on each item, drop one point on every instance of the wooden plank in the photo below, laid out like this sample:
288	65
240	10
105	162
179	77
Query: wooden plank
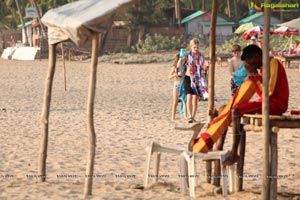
286	124
278	121
280	117
254	123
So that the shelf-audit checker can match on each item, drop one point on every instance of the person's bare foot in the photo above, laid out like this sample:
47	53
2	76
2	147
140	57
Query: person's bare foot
230	160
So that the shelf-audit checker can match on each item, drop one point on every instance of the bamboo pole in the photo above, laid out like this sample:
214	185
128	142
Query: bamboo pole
211	81
45	114
265	106
90	113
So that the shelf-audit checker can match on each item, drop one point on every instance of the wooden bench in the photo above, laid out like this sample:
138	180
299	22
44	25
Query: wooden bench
254	123
287	59
223	58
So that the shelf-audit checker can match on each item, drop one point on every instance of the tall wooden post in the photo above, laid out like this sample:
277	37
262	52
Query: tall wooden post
64	64
45	114
274	163
239	178
211	79
90	121
265	106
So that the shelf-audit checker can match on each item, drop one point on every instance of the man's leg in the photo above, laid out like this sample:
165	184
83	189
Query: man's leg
236	126
219	125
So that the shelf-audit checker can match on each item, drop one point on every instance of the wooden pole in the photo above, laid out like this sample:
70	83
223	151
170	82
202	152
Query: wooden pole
90	113
64	64
240	164
265	106
45	114
211	81
274	165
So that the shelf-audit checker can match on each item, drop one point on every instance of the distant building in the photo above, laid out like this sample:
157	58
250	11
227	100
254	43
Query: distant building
198	24
258	19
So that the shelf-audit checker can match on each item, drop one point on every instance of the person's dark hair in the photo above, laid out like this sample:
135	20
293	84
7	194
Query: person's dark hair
250	51
236	47
176	58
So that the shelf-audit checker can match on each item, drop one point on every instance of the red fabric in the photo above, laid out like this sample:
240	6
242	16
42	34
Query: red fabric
280	96
278	100
207	139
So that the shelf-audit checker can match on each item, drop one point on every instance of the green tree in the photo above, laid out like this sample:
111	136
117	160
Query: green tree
9	17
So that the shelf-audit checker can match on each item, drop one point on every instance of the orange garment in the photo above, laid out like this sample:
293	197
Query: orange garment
278	96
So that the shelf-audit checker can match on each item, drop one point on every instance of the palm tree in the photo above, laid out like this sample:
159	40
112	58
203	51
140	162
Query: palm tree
228	9
177	12
22	22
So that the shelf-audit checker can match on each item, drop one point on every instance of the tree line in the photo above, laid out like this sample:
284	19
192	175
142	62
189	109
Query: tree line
147	13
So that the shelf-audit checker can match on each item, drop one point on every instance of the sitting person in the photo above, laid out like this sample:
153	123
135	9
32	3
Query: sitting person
297	49
240	103
294	49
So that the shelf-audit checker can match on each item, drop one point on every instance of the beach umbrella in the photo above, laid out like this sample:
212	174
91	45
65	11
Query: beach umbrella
288	31
256	31
295	23
244	27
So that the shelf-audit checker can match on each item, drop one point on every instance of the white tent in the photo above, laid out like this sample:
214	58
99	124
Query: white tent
78	22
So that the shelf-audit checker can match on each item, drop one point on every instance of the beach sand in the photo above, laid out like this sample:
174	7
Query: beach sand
132	108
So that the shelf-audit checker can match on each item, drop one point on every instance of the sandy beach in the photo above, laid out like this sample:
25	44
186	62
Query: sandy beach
132	108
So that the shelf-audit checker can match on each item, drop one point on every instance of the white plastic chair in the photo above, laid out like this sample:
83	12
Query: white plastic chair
187	164
157	149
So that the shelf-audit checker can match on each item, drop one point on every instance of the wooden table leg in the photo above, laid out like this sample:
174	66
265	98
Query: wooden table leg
240	164
274	163
288	63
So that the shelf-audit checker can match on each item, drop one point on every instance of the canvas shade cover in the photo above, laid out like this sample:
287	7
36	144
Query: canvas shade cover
78	20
